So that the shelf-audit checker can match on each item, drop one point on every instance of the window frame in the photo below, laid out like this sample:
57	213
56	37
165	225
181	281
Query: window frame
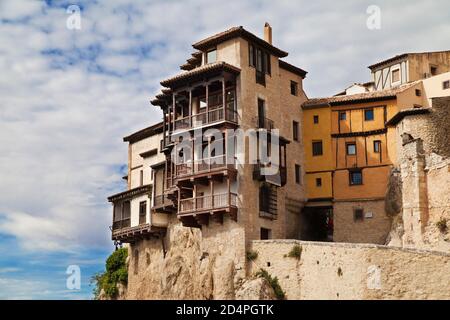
377	143
351	180
347	144
207	55
373	114
295	130
446	85
344	113
317	142
392	76
358	214
298	174
294	86
316	119
318	182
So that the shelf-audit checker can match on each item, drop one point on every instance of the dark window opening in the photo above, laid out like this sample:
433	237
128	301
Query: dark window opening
260	60
351	149
295	130
318	182
141	177
298	174
342	115
418	92
265	234
358	215
433	70
446	85
294	88
368	115
316	119
317	148
377	146
355	177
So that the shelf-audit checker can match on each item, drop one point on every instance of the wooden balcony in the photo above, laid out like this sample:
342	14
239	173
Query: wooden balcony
131	234
196	211
264	123
162	203
216	115
279	178
204	168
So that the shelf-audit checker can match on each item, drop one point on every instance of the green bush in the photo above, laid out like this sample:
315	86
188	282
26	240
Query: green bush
296	252
279	293
116	272
252	255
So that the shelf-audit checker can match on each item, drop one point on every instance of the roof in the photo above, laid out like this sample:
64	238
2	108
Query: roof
200	72
236	32
131	193
406	112
401	56
289	67
357	98
144	133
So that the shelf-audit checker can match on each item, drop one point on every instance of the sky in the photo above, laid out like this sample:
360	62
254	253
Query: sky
68	96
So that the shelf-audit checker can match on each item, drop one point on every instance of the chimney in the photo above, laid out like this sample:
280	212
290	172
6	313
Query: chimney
268	33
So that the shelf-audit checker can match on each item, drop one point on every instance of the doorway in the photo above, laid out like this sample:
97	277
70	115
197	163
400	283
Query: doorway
317	224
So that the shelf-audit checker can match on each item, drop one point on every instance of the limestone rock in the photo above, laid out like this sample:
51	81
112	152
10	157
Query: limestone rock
255	289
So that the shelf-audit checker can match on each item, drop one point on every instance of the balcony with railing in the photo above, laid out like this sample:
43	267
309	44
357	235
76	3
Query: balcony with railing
163	203
276	175
216	165
264	123
224	202
216	115
131	234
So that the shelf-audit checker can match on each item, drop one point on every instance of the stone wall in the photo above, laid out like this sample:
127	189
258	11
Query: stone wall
354	271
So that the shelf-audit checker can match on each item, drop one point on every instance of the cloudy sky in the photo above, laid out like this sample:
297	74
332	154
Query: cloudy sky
68	96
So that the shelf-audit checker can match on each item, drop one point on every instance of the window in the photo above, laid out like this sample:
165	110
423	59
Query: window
358	215
433	70
316	119
294	88
318	182
377	146
351	149
142	212
368	115
446	85
267	63
261	113
317	148
265	234
251	55
295	130
355	177
141	177
342	115
211	56
264	198
395	75
260	60
418	92
298	174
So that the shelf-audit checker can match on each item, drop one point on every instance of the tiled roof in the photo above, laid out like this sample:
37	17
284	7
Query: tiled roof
401	56
203	70
235	32
360	97
406	112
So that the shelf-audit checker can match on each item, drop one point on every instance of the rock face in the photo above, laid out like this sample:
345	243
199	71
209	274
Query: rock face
188	264
255	289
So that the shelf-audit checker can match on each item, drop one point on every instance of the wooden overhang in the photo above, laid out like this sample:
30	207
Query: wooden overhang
143	231
149	153
295	70
199	74
131	193
237	32
144	133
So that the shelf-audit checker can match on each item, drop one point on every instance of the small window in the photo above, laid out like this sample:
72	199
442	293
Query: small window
358	215
265	234
355	177
295	130
377	146
395	75
316	119
294	88
368	115
342	115
142	207
317	148
418	92
446	85
351	149
267	63
318	182
211	56
251	55
433	70
141	177
298	174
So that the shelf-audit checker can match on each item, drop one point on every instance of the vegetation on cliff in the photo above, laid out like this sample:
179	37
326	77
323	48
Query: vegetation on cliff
116	272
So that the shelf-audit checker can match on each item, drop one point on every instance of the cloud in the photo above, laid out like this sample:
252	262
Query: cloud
67	97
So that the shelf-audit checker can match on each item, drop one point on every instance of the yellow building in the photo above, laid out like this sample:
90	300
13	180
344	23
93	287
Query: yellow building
349	153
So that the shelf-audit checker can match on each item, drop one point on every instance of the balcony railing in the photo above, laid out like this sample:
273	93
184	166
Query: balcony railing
120	224
203	165
264	123
203	118
208	202
278	178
